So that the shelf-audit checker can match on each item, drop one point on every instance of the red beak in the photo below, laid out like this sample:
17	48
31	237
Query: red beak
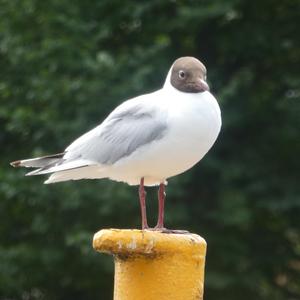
202	85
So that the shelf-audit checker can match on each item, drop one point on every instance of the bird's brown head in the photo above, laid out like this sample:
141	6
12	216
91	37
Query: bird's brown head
188	75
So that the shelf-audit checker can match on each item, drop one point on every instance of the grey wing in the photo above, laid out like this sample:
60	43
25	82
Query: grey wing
122	133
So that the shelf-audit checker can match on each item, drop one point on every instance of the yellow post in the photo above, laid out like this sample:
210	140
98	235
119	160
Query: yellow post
151	265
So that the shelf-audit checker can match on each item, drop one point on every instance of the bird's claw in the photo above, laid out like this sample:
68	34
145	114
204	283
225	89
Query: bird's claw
165	230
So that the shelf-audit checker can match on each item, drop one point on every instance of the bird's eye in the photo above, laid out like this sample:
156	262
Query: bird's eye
181	74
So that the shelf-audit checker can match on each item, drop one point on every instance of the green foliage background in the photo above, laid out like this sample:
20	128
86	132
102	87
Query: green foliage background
64	65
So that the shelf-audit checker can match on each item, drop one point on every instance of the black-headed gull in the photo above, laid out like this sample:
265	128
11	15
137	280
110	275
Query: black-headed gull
145	140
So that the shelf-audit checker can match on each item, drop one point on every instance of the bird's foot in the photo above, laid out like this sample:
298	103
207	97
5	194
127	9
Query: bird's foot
145	227
165	230
174	231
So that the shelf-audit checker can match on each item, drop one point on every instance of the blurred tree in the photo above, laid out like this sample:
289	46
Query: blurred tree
65	65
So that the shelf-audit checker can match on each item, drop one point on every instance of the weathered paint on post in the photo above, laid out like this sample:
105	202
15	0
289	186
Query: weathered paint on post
151	265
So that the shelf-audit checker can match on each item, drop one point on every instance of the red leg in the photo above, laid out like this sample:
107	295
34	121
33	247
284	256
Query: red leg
161	206
142	195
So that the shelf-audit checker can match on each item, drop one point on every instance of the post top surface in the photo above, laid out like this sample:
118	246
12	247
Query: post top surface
133	243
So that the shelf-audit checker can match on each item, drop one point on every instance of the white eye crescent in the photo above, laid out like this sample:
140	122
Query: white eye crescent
181	74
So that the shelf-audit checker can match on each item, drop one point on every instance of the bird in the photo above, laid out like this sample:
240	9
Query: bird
145	140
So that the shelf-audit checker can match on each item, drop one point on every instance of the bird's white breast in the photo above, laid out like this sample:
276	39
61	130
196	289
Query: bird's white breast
193	124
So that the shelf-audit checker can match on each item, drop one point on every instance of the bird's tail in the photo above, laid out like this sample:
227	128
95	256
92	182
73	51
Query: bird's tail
63	169
39	162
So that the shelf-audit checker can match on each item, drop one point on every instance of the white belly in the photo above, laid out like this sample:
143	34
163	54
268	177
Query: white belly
193	125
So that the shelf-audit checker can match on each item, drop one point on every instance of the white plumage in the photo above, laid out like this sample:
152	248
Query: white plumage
153	136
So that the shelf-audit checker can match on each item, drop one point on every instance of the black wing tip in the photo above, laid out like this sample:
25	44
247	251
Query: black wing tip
16	163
